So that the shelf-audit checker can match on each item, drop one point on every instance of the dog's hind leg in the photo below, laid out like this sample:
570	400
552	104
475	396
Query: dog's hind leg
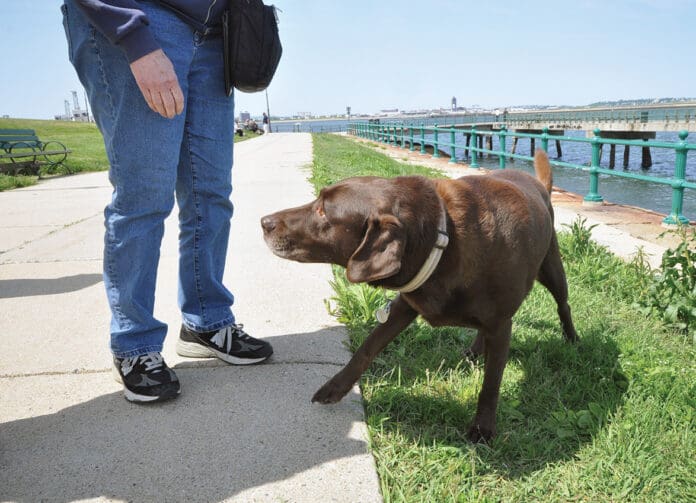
476	349
400	316
497	346
552	276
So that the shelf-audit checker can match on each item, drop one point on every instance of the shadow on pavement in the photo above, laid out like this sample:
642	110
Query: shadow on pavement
30	287
232	429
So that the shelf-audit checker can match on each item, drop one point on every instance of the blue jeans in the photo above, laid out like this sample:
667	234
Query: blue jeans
152	159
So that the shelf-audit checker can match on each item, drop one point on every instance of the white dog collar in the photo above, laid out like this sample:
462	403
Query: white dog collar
432	260
426	270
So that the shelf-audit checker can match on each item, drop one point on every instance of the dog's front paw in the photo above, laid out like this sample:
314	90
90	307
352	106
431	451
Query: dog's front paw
480	434
331	392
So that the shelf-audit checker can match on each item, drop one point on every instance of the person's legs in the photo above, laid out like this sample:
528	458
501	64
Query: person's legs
143	150
203	189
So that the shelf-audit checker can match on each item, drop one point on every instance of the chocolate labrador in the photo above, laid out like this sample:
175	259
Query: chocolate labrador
461	252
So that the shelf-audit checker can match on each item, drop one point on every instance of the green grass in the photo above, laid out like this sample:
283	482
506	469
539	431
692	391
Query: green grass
247	136
612	418
12	182
84	139
336	158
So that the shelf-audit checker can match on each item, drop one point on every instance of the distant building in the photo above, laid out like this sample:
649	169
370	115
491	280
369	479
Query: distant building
80	116
66	116
74	114
244	116
389	111
421	111
454	103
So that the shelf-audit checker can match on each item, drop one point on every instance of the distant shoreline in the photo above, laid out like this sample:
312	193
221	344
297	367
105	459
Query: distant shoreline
311	120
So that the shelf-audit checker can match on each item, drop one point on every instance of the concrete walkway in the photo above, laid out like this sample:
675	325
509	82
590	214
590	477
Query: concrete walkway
235	433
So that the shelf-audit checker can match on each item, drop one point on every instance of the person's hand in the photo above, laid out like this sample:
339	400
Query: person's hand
157	80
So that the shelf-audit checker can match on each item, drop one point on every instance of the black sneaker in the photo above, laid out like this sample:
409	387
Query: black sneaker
146	378
231	344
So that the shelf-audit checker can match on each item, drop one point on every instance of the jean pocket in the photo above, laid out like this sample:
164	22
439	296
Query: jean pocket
66	27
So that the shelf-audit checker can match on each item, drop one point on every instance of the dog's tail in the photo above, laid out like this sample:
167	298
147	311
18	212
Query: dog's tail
542	169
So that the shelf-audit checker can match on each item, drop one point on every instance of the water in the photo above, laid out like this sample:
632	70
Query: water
338	125
613	189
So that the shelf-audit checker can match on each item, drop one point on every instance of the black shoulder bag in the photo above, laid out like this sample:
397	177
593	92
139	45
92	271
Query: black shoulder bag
252	47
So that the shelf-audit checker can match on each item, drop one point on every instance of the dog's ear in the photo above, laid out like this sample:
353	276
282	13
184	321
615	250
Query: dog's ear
379	255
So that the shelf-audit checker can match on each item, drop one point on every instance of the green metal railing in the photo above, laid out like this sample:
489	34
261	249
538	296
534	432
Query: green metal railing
400	134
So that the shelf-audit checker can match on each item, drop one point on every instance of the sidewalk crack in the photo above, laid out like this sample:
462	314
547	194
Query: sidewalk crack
49	233
177	366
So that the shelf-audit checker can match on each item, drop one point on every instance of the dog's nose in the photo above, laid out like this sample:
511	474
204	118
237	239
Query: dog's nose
268	223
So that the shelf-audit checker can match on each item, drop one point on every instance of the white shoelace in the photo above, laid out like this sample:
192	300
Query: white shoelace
152	361
223	337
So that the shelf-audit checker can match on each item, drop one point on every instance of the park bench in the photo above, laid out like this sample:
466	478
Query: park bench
22	153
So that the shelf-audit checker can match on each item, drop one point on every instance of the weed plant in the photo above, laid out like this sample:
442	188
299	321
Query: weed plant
672	289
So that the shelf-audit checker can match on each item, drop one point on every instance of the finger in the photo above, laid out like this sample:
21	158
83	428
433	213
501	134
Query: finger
150	100
170	88
178	96
168	103
155	103
147	96
159	104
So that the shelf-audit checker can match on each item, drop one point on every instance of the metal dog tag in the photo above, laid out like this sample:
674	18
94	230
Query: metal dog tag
382	314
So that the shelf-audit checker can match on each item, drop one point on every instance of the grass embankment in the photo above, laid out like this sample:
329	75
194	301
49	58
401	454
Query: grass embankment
612	418
83	139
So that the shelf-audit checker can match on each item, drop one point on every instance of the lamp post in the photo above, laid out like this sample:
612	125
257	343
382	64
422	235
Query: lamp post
268	112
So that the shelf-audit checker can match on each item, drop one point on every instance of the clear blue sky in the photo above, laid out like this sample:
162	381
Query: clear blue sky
378	54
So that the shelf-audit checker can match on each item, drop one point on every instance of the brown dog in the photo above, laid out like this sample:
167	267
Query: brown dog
391	232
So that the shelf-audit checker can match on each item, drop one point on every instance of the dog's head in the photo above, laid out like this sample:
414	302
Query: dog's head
365	224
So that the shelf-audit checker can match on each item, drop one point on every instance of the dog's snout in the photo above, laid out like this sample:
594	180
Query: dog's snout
268	223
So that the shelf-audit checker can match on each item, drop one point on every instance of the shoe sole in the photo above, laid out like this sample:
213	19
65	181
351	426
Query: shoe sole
195	350
136	398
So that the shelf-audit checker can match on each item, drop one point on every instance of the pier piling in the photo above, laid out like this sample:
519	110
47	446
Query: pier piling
627	153
612	156
646	158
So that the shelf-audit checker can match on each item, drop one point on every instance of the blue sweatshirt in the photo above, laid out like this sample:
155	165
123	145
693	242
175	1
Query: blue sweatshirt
124	24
